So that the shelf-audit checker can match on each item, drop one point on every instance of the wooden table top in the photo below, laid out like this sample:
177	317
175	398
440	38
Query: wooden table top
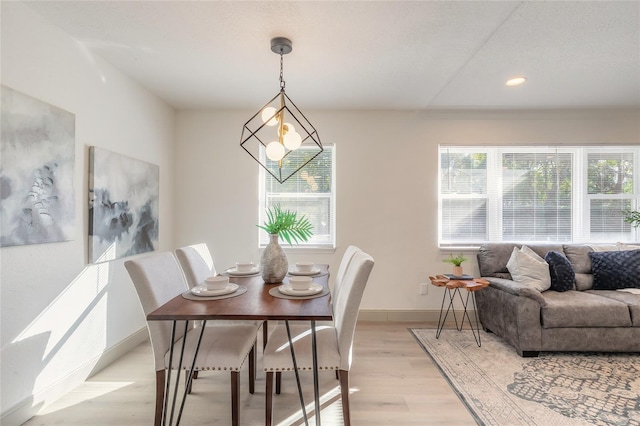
470	285
255	304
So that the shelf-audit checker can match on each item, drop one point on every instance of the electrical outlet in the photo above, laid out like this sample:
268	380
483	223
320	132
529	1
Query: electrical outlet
424	288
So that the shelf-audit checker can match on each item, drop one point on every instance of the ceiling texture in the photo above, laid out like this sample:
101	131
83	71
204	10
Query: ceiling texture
390	55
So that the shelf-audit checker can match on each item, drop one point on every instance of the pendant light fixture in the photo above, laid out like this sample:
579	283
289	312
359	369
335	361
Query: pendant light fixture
279	137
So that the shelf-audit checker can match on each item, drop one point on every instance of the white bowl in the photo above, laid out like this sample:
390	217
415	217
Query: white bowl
300	283
304	266
244	266
216	283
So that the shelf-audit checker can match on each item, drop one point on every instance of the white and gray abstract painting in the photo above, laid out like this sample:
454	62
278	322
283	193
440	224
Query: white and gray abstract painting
37	160
123	205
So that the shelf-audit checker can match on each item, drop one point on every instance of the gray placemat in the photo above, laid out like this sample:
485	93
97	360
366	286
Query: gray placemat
276	293
228	274
190	296
319	274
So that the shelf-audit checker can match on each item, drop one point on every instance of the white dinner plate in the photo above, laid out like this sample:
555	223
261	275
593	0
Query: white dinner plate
313	271
202	290
286	289
233	271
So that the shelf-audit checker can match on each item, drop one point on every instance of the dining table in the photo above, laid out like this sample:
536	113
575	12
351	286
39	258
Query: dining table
257	302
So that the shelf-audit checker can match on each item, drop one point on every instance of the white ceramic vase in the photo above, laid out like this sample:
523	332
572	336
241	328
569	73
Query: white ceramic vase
273	261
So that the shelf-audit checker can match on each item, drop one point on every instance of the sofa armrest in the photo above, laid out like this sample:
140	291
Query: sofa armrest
517	289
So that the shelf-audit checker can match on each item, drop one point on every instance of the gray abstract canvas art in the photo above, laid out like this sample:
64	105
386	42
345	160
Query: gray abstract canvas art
123	205
37	160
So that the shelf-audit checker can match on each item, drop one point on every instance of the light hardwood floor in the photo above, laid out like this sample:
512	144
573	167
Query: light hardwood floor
393	382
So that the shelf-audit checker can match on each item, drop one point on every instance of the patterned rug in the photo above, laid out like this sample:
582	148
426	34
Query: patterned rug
501	388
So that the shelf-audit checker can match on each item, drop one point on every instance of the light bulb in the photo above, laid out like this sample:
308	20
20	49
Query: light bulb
268	116
275	151
292	140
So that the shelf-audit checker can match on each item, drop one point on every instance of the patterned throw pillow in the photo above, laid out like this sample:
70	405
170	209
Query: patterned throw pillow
563	278
615	269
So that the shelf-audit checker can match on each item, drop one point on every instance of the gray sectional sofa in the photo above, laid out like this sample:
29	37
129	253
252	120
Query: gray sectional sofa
531	320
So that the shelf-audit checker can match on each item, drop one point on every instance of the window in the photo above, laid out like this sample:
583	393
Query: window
537	194
310	192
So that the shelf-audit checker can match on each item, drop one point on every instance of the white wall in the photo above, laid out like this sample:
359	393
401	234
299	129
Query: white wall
60	316
386	178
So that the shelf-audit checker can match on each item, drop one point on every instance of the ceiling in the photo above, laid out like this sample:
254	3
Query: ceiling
399	55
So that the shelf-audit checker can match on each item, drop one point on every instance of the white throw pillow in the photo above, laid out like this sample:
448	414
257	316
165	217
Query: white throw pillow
626	247
527	267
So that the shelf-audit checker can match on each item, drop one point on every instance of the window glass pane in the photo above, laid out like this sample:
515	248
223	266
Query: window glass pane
463	173
610	173
464	219
536	203
317	210
607	220
315	177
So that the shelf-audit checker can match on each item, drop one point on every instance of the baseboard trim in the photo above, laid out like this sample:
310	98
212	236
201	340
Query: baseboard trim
384	315
23	411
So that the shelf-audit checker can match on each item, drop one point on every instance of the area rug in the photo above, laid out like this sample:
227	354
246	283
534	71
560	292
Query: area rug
501	388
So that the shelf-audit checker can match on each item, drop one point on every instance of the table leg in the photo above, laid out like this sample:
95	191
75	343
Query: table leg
465	313
193	365
441	319
316	390
168	374
297	373
475	310
175	390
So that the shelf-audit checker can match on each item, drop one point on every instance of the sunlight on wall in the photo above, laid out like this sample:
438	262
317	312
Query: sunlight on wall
70	305
70	323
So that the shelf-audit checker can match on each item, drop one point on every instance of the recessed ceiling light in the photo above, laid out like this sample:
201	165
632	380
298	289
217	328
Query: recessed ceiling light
516	81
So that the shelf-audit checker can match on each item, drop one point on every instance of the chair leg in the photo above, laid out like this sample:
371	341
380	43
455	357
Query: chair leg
278	382
268	408
344	391
265	334
160	383
235	398
252	369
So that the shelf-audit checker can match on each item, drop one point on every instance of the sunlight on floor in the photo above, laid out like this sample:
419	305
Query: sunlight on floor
83	393
330	406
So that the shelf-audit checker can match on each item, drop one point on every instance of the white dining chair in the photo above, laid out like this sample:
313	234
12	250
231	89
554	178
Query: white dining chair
197	264
334	342
342	269
157	279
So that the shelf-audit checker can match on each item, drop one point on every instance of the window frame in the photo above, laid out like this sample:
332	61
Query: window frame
580	198
263	196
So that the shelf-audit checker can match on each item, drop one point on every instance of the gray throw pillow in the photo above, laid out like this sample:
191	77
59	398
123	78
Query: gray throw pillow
563	278
613	270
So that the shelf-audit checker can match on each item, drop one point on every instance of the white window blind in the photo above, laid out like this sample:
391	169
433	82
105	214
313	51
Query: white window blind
537	194
310	192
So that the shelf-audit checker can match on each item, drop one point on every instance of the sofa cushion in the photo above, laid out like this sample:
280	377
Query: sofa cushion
528	268
615	269
626	247
562	276
578	255
631	300
582	309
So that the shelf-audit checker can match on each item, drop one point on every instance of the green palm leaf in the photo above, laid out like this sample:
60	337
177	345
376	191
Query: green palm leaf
287	225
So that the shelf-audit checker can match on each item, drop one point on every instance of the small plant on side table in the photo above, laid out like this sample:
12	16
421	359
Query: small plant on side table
457	262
